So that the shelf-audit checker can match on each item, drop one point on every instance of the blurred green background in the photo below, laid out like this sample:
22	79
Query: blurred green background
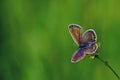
35	43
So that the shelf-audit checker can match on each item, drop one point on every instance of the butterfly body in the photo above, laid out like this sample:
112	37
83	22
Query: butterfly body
86	42
87	45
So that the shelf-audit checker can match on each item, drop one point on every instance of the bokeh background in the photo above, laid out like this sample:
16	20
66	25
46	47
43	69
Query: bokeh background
35	43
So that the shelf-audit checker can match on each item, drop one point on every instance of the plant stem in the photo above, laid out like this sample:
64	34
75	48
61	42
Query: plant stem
106	64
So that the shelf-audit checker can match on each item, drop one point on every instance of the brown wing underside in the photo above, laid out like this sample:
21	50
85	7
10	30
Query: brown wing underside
76	33
89	36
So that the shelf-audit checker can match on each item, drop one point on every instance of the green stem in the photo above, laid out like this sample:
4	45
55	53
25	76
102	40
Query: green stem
106	64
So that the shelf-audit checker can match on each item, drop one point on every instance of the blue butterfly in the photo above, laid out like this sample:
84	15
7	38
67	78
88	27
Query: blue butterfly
86	42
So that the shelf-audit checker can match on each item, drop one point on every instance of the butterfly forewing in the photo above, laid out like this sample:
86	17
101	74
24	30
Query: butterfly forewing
78	55
76	33
89	36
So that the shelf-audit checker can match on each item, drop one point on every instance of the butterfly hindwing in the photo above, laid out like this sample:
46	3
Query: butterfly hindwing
76	33
92	49
78	55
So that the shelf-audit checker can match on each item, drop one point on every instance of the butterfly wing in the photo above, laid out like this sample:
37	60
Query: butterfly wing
78	55
76	33
92	49
89	37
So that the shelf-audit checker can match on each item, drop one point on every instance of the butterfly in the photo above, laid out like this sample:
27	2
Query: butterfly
86	42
